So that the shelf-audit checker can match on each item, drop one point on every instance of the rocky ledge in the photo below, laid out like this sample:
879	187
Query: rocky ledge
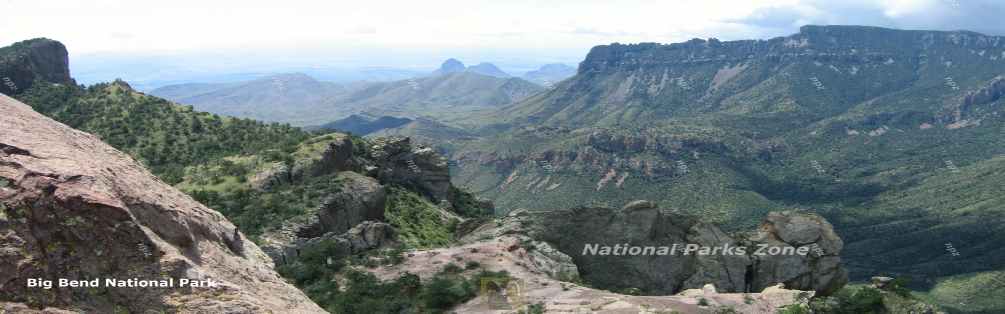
798	250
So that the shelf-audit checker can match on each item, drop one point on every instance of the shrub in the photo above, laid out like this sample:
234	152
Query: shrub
472	265
452	268
444	291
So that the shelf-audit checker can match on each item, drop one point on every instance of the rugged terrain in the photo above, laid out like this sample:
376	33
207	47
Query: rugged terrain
356	223
892	135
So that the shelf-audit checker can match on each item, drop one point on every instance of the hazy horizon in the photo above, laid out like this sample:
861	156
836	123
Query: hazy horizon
146	41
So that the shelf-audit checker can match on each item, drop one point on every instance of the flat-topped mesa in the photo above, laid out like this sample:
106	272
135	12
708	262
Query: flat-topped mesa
812	41
73	207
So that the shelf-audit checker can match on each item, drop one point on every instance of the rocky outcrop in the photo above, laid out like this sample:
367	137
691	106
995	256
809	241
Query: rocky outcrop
552	262
271	175
73	207
517	255
399	162
608	247
329	153
358	204
993	91
360	199
287	243
25	62
820	269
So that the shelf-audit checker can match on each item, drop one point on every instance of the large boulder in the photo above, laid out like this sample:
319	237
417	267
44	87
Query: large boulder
73	207
820	270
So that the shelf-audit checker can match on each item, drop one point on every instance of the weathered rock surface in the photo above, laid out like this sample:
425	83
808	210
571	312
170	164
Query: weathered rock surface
819	270
361	198
274	174
346	216
574	232
286	244
399	162
516	255
73	207
326	154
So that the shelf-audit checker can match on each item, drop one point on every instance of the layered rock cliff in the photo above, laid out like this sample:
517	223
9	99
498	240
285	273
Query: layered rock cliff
73	207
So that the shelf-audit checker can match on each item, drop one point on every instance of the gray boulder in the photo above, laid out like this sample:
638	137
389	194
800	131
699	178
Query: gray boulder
820	270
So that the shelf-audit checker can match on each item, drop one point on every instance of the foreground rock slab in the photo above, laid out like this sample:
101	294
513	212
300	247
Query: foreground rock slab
73	207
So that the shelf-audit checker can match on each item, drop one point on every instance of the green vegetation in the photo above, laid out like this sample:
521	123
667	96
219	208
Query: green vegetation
860	299
364	293
420	223
224	184
164	136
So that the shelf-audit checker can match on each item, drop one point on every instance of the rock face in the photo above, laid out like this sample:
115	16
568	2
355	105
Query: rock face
399	162
73	207
361	198
327	154
41	59
582	233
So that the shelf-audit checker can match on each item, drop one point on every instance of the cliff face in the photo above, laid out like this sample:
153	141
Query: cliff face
73	207
30	60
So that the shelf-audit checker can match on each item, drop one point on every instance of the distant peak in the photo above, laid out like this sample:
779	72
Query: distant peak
489	69
451	66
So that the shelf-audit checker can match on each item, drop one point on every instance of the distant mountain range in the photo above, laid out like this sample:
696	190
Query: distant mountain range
302	100
547	75
455	66
280	97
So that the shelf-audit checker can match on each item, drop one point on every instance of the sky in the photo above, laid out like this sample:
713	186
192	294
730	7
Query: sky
512	33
